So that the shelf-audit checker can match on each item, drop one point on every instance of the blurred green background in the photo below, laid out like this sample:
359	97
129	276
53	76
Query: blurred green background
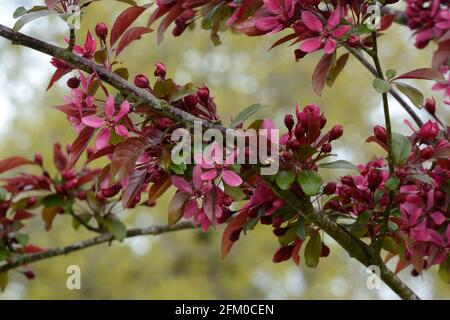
187	264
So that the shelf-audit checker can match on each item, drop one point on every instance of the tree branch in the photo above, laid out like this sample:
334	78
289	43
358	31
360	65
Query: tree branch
105	237
355	247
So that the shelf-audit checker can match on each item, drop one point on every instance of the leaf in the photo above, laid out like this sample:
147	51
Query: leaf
235	224
339	164
210	204
159	188
22	238
444	270
125	156
48	215
184	91
13	162
392	183
245	114
123	73
123	21
401	148
389	244
312	250
135	183
336	69
3	281
443	153
57	75
176	207
131	35
381	85
320	73
31	17
423	178
422	73
52	200
414	95
284	179
310	182
117	228
300	229
163	88
79	145
130	2
390	73
235	192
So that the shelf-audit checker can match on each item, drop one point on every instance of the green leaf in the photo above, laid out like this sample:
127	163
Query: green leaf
178	168
390	73
123	73
22	238
3	281
363	217
423	178
235	192
3	194
305	152
20	11
117	228
414	95
444	270
245	114
284	179
392	183
381	85
339	164
362	29
184	91
310	182
4	254
313	250
288	237
164	88
30	17
300	229
401	148
389	244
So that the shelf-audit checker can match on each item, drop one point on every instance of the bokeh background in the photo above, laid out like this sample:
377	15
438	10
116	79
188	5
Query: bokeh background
187	264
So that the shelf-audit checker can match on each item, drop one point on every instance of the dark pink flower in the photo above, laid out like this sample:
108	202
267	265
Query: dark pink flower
281	11
109	123
327	33
89	47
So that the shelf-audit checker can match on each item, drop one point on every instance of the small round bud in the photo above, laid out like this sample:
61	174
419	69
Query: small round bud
81	195
380	133
38	159
101	30
326	148
141	81
289	121
160	70
191	100
430	106
73	83
336	132
330	188
426	153
325	251
203	93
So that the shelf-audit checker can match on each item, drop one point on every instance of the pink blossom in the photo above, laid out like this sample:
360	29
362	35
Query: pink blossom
88	50
326	33
280	12
109	123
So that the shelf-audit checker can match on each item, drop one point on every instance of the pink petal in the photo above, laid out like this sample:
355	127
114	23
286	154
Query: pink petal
273	6
190	209
209	175
267	23
182	184
311	44
438	218
333	20
124	109
110	106
102	138
330	46
90	44
196	175
231	178
312	22
121	130
93	121
340	31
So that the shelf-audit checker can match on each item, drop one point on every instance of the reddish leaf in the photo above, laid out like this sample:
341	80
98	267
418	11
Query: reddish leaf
235	224
422	73
386	22
441	55
31	248
48	214
79	145
131	35
159	188
135	183
59	73
13	162
296	250
174	12
101	153
125	156
88	177
23	215
124	20
51	3
284	40
319	76
176	207
210	204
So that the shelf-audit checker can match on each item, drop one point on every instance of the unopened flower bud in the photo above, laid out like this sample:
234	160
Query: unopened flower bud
283	254
141	81
325	251
29	274
38	159
191	101
293	144
160	70
380	133
336	132
81	195
299	54
279	232
73	83
203	93
330	188
326	148
426	153
31	201
374	179
429	130
299	130
289	121
101	30
111	192
430	106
